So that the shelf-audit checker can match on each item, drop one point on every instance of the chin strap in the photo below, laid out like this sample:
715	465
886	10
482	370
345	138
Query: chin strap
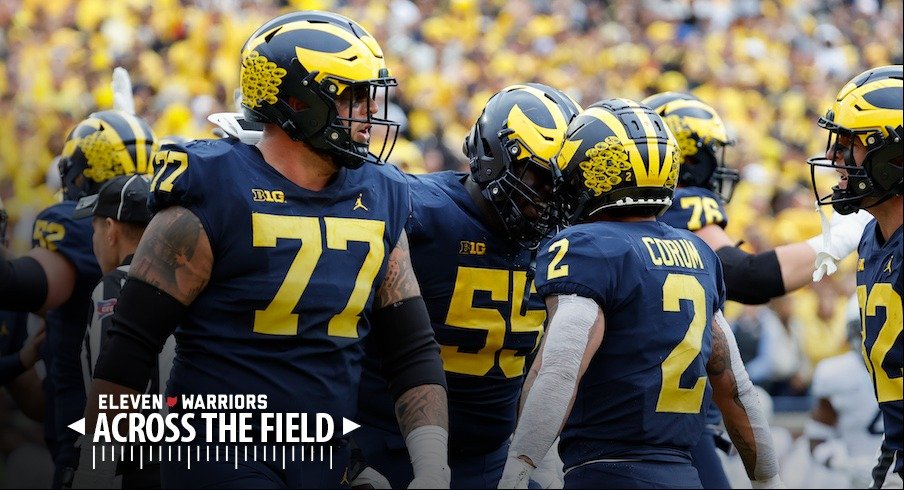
825	266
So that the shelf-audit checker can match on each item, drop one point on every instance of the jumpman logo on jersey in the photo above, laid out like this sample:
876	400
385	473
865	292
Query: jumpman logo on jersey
888	265
359	204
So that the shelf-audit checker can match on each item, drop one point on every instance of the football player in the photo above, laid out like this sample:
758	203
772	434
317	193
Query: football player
472	237
866	147
19	352
56	277
705	185
635	323
277	260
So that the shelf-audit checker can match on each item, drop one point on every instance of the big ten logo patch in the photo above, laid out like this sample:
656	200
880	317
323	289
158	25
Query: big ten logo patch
261	195
472	248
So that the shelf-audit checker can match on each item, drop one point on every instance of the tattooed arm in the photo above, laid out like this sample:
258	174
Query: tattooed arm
400	282
174	255
399	297
411	363
171	267
741	410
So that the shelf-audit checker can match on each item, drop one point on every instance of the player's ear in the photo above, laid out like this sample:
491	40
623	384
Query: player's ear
112	230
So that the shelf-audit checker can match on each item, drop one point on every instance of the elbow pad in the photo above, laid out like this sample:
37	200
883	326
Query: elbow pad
751	279
404	338
23	285
144	318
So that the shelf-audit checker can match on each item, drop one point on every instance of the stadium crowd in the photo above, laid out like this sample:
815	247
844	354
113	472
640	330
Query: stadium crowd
769	67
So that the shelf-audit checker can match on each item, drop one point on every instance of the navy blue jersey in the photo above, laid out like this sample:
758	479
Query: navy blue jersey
645	389
473	282
55	230
294	275
879	292
695	207
13	332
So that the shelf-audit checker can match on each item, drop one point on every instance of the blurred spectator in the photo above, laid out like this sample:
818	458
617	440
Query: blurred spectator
768	64
845	427
769	353
819	320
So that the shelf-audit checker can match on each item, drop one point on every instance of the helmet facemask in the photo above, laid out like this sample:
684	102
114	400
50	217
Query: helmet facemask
527	214
879	176
723	179
337	137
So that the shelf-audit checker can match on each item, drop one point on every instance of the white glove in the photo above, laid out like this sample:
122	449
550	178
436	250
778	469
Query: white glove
516	473
428	447
774	482
549	472
123	99
840	237
102	474
372	477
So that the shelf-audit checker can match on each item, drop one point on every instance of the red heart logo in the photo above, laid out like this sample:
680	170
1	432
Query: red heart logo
171	401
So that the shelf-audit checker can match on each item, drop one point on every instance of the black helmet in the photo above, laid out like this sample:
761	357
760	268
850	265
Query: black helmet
312	58
521	127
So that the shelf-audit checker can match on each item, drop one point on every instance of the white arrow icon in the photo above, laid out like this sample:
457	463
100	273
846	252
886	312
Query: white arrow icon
347	425
78	426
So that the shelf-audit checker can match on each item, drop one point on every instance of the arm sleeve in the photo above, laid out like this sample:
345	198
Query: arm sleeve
751	279
404	339
23	285
549	399
144	318
16	327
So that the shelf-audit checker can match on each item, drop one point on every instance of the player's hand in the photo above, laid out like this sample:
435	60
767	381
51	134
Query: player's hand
774	482
549	472
516	474
840	237
92	471
429	452
439	477
370	478
31	351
